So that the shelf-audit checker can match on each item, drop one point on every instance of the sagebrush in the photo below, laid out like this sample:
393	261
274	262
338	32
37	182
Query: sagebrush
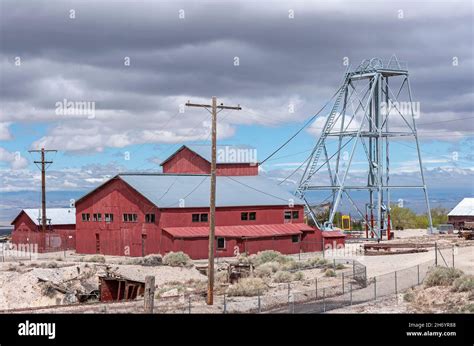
177	259
464	283
440	276
247	287
95	258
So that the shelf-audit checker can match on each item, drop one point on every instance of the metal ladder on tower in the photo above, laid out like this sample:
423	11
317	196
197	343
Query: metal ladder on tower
320	144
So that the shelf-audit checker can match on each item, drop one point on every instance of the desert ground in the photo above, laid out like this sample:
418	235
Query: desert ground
50	282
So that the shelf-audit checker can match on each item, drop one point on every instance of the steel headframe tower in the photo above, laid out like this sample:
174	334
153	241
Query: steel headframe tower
358	126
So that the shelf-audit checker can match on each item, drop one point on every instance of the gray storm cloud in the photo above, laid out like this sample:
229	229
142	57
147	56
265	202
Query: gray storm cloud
282	60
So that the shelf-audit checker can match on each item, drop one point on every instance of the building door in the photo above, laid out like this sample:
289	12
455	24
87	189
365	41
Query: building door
240	247
143	244
131	241
97	243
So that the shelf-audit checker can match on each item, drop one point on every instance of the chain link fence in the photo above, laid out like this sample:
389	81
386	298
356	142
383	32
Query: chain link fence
354	288
348	287
357	291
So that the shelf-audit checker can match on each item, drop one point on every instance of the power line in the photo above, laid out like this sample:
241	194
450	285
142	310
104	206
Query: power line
255	189
302	128
444	121
299	167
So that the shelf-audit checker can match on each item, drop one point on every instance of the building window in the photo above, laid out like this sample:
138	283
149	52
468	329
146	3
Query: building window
130	217
86	217
220	243
291	215
200	217
150	218
97	217
248	216
109	217
295	238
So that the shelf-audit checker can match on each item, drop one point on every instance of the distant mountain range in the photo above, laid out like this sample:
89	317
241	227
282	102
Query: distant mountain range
446	187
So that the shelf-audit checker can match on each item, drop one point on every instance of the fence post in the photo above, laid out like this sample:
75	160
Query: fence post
353	268
351	292
189	303
396	291
418	272
342	283
436	253
225	304
259	303
316	282
149	293
375	288
334	263
323	248
453	254
324	299
289	293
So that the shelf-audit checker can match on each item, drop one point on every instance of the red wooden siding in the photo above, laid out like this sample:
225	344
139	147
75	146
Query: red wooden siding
59	238
139	238
186	161
458	221
118	237
236	169
333	240
227	216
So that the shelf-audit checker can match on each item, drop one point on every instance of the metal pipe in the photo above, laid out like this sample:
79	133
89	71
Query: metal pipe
375	288
419	160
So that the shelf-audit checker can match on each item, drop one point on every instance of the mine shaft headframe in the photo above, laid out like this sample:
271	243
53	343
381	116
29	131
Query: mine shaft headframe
371	132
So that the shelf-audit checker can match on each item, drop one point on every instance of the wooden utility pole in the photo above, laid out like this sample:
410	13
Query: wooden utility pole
212	222
43	163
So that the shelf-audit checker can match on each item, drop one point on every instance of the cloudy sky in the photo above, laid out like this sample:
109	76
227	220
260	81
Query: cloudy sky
138	62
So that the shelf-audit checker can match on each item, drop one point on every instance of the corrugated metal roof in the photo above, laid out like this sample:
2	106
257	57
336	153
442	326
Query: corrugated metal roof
191	191
464	208
332	234
58	216
248	231
225	153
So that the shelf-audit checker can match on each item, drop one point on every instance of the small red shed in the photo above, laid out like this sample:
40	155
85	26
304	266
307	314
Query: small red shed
60	234
333	239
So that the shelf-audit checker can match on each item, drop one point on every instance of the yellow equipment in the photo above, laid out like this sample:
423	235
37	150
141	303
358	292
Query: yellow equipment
346	222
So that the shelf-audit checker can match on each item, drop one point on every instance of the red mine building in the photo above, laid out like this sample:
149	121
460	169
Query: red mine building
60	233
137	214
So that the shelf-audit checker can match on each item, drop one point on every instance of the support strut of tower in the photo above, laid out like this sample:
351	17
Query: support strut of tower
371	96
